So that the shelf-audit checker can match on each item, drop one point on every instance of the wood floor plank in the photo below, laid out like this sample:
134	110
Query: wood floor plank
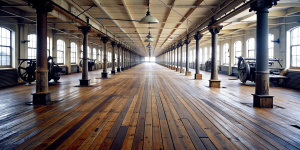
148	107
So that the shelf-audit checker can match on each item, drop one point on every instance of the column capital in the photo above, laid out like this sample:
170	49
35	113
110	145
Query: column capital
198	36
262	4
105	39
119	45
85	29
215	29
187	41
41	6
113	43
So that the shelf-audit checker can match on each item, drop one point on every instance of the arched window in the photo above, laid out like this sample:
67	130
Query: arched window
109	56
32	46
226	53
5	48
94	53
271	46
73	52
205	54
237	51
60	51
250	47
295	47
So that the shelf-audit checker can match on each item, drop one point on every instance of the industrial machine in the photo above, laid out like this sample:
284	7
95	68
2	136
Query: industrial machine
208	65
27	67
247	68
91	63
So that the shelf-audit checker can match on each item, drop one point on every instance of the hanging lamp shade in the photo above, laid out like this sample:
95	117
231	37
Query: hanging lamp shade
148	19
149	40
150	36
149	45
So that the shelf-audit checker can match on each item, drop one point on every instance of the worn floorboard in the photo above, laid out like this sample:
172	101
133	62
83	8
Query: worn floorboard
148	107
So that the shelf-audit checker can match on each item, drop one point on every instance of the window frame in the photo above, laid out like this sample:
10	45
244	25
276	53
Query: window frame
9	47
60	52
249	48
226	54
236	48
73	50
294	45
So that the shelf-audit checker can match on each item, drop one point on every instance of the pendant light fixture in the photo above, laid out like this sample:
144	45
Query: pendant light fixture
148	18
149	36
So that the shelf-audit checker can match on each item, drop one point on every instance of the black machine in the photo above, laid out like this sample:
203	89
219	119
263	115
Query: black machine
91	63
208	65
27	73
247	68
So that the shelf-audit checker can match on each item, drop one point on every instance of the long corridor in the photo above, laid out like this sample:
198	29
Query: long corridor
148	107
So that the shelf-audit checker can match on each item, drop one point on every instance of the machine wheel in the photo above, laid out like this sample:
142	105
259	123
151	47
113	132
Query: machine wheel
27	73
244	70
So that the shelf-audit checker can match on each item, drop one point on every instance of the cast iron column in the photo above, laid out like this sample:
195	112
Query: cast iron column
130	59
187	42
177	68
174	51
214	81
181	57
122	66
113	71
197	37
42	95
85	81
104	73
118	68
171	58
261	98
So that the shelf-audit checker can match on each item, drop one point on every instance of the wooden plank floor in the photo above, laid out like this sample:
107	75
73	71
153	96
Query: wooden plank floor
148	107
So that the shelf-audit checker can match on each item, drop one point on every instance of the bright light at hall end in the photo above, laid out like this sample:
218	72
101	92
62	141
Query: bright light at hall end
152	59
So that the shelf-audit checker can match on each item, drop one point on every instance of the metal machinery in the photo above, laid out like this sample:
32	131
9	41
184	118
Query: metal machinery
247	68
91	63
27	67
208	65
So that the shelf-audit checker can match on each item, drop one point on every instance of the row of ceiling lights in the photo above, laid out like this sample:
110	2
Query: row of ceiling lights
148	19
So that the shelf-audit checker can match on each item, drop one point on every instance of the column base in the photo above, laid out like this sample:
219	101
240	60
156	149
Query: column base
177	69
118	69
104	75
41	98
113	72
182	71
262	101
215	83
122	69
188	73
84	82
198	76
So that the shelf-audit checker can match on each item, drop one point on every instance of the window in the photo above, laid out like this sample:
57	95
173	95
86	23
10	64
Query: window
191	56
73	52
271	46
5	48
88	52
295	47
218	54
94	53
210	51
109	56
250	47
237	51
200	55
81	52
226	53
32	46
99	54
48	47
60	51
205	54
